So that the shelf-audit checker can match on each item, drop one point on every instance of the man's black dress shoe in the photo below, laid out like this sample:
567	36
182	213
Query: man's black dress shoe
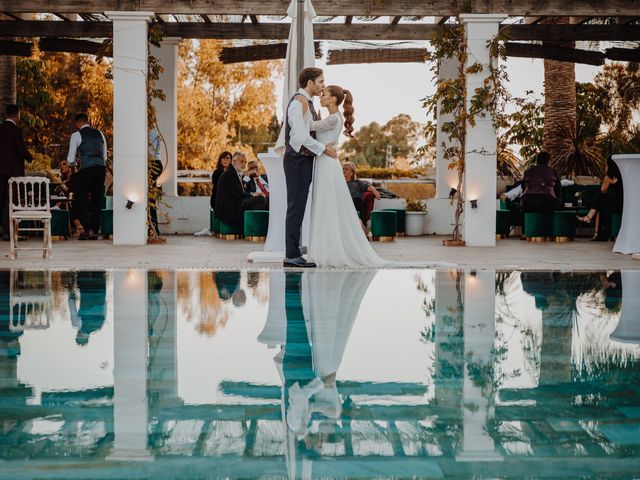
298	262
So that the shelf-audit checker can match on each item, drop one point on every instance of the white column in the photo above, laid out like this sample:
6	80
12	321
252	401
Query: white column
130	131
130	404
481	142
479	337
445	177
167	112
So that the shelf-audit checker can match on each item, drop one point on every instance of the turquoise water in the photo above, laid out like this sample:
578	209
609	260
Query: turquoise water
365	374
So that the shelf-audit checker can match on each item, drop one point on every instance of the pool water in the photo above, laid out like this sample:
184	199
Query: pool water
320	374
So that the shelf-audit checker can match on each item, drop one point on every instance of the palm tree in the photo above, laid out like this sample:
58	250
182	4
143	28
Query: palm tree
559	100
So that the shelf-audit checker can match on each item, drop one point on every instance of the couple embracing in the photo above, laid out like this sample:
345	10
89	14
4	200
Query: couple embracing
336	237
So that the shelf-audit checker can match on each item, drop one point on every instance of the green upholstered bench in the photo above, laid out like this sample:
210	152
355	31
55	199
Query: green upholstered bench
214	223
537	226
401	220
106	222
503	224
616	223
563	226
256	224
60	223
384	225
229	232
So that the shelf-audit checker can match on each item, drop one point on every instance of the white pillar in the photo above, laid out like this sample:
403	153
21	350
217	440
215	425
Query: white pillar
445	178
167	112
479	337
130	404
481	141
130	132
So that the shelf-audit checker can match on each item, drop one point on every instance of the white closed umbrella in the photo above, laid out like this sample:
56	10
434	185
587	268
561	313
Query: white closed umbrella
300	53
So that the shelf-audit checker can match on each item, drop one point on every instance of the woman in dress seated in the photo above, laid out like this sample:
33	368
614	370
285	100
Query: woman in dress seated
608	202
362	193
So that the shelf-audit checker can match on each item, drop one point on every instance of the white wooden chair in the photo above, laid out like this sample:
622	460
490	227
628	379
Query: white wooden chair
30	300
29	201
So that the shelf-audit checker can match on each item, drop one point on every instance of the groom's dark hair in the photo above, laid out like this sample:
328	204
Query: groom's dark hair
307	74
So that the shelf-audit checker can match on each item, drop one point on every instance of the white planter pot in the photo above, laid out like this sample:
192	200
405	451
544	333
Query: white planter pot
415	222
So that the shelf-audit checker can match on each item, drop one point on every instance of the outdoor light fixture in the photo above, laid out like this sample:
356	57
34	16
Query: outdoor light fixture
474	203
452	192
129	204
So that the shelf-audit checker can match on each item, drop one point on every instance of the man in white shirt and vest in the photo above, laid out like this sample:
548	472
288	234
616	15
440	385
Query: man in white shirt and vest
301	150
90	146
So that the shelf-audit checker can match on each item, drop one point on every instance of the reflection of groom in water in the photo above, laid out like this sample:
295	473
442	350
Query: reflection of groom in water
301	149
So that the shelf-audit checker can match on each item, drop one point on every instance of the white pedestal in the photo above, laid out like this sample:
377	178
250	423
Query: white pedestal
628	240
628	329
130	132
274	247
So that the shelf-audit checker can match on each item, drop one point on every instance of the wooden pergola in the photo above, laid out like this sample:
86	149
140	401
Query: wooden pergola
80	25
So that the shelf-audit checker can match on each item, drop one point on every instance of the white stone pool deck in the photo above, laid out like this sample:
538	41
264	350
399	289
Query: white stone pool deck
188	252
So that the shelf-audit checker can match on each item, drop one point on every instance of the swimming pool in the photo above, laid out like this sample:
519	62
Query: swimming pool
321	374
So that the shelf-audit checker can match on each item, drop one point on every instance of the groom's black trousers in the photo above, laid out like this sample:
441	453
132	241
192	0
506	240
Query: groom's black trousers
298	172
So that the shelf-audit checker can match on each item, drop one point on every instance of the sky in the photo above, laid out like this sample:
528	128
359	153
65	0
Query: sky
384	90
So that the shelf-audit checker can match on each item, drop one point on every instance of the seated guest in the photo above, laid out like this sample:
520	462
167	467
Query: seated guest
541	187
231	199
362	193
253	181
608	202
224	160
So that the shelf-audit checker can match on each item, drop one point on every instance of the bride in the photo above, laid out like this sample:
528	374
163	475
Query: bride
336	238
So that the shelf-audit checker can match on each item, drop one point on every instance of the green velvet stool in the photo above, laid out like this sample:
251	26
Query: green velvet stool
564	223
384	225
401	219
229	232
616	223
503	224
256	224
214	223
106	222
537	226
60	226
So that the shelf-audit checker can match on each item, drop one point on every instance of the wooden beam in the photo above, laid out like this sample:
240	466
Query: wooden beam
15	49
377	55
396	20
335	7
71	46
254	19
562	54
254	53
623	54
322	31
348	19
205	18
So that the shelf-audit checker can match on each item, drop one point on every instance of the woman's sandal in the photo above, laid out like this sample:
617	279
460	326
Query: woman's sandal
586	219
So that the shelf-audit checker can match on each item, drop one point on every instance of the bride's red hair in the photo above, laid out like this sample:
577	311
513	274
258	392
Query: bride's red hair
343	95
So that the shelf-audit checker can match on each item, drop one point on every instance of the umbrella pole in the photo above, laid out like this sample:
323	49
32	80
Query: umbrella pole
300	34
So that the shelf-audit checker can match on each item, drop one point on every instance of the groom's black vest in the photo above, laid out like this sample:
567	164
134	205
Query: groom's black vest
304	151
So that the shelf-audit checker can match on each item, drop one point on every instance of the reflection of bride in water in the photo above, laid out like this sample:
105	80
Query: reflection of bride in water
320	309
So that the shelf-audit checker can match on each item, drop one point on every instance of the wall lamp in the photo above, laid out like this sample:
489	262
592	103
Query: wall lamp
129	204
452	192
474	203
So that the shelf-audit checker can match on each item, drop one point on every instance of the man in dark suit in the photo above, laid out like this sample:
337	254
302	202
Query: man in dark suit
231	199
13	153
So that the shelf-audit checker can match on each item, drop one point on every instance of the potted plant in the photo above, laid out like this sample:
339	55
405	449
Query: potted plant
416	211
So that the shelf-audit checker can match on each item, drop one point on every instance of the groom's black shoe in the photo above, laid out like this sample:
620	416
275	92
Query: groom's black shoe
298	262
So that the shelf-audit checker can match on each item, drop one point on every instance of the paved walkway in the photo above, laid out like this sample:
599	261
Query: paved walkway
188	252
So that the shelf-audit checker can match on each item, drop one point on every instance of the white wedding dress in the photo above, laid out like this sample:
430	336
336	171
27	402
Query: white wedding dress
336	238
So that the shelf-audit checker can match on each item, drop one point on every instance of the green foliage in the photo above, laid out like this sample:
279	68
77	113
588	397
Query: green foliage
413	205
526	125
369	144
386	173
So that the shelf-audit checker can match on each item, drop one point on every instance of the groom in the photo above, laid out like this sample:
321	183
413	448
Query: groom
301	149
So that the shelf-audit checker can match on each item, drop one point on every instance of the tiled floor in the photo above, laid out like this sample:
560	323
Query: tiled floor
186	252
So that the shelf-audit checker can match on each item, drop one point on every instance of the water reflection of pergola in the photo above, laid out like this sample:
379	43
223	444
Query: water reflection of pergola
127	22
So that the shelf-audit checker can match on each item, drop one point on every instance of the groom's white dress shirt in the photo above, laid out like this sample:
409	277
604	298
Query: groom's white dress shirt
300	123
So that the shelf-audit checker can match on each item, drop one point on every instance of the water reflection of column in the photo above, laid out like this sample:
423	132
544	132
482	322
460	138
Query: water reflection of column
130	405
163	313
479	337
